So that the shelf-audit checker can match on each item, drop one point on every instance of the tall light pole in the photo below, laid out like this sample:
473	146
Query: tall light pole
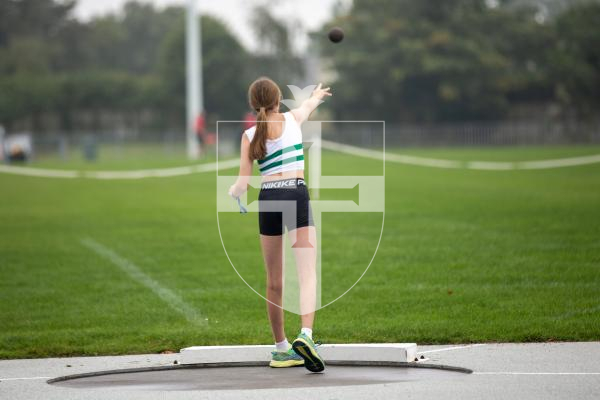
195	101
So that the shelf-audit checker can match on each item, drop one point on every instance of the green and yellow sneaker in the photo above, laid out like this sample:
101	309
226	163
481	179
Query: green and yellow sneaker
284	359
305	348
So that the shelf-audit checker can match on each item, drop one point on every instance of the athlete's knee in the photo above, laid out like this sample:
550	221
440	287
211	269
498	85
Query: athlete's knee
274	285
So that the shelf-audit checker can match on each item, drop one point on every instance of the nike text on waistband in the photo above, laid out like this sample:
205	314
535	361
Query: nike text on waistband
285	184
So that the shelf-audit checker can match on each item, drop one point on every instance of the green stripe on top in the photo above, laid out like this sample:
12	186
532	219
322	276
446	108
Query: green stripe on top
280	152
282	162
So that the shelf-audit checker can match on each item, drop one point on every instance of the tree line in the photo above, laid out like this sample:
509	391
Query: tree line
60	73
453	60
401	60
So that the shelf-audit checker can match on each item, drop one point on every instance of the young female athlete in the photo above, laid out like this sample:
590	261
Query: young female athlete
276	144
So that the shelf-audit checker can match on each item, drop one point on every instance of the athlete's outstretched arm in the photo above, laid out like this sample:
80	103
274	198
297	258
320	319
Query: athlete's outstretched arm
241	185
303	112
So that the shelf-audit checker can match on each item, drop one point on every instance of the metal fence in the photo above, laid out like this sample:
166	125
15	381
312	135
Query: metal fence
122	144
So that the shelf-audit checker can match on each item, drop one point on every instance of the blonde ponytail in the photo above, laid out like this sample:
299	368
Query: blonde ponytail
258	146
263	95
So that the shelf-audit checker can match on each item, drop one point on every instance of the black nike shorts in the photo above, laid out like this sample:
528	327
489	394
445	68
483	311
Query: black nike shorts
272	223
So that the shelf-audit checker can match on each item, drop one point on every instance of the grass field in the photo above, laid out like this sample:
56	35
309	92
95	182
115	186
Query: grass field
466	256
125	157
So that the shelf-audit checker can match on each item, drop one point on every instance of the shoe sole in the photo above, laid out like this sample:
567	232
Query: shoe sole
286	364
312	360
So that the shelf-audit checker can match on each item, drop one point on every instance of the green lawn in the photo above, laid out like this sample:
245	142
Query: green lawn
125	157
466	256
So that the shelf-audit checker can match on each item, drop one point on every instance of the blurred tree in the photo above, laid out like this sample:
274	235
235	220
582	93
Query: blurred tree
575	60
28	33
26	54
28	49
544	9
224	69
27	96
39	18
275	57
435	61
401	60
145	28
122	63
130	41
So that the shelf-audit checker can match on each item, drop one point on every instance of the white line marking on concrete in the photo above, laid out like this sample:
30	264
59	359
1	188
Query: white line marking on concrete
136	273
25	379
452	348
536	373
114	175
474	165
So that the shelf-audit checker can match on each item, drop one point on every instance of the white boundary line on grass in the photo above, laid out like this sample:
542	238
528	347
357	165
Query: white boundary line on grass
468	346
376	155
334	146
114	175
162	173
453	164
39	172
136	273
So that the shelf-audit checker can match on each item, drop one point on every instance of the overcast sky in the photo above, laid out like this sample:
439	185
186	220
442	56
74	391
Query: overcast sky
235	13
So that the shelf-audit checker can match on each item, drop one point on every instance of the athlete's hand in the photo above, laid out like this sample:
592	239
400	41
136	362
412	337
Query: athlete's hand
235	191
302	113
319	93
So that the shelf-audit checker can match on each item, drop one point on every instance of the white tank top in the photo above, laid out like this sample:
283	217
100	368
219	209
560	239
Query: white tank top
284	153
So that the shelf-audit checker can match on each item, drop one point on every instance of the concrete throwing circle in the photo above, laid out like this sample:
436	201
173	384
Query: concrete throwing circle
243	376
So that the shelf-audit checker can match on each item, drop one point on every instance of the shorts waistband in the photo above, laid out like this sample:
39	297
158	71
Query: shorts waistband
283	184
